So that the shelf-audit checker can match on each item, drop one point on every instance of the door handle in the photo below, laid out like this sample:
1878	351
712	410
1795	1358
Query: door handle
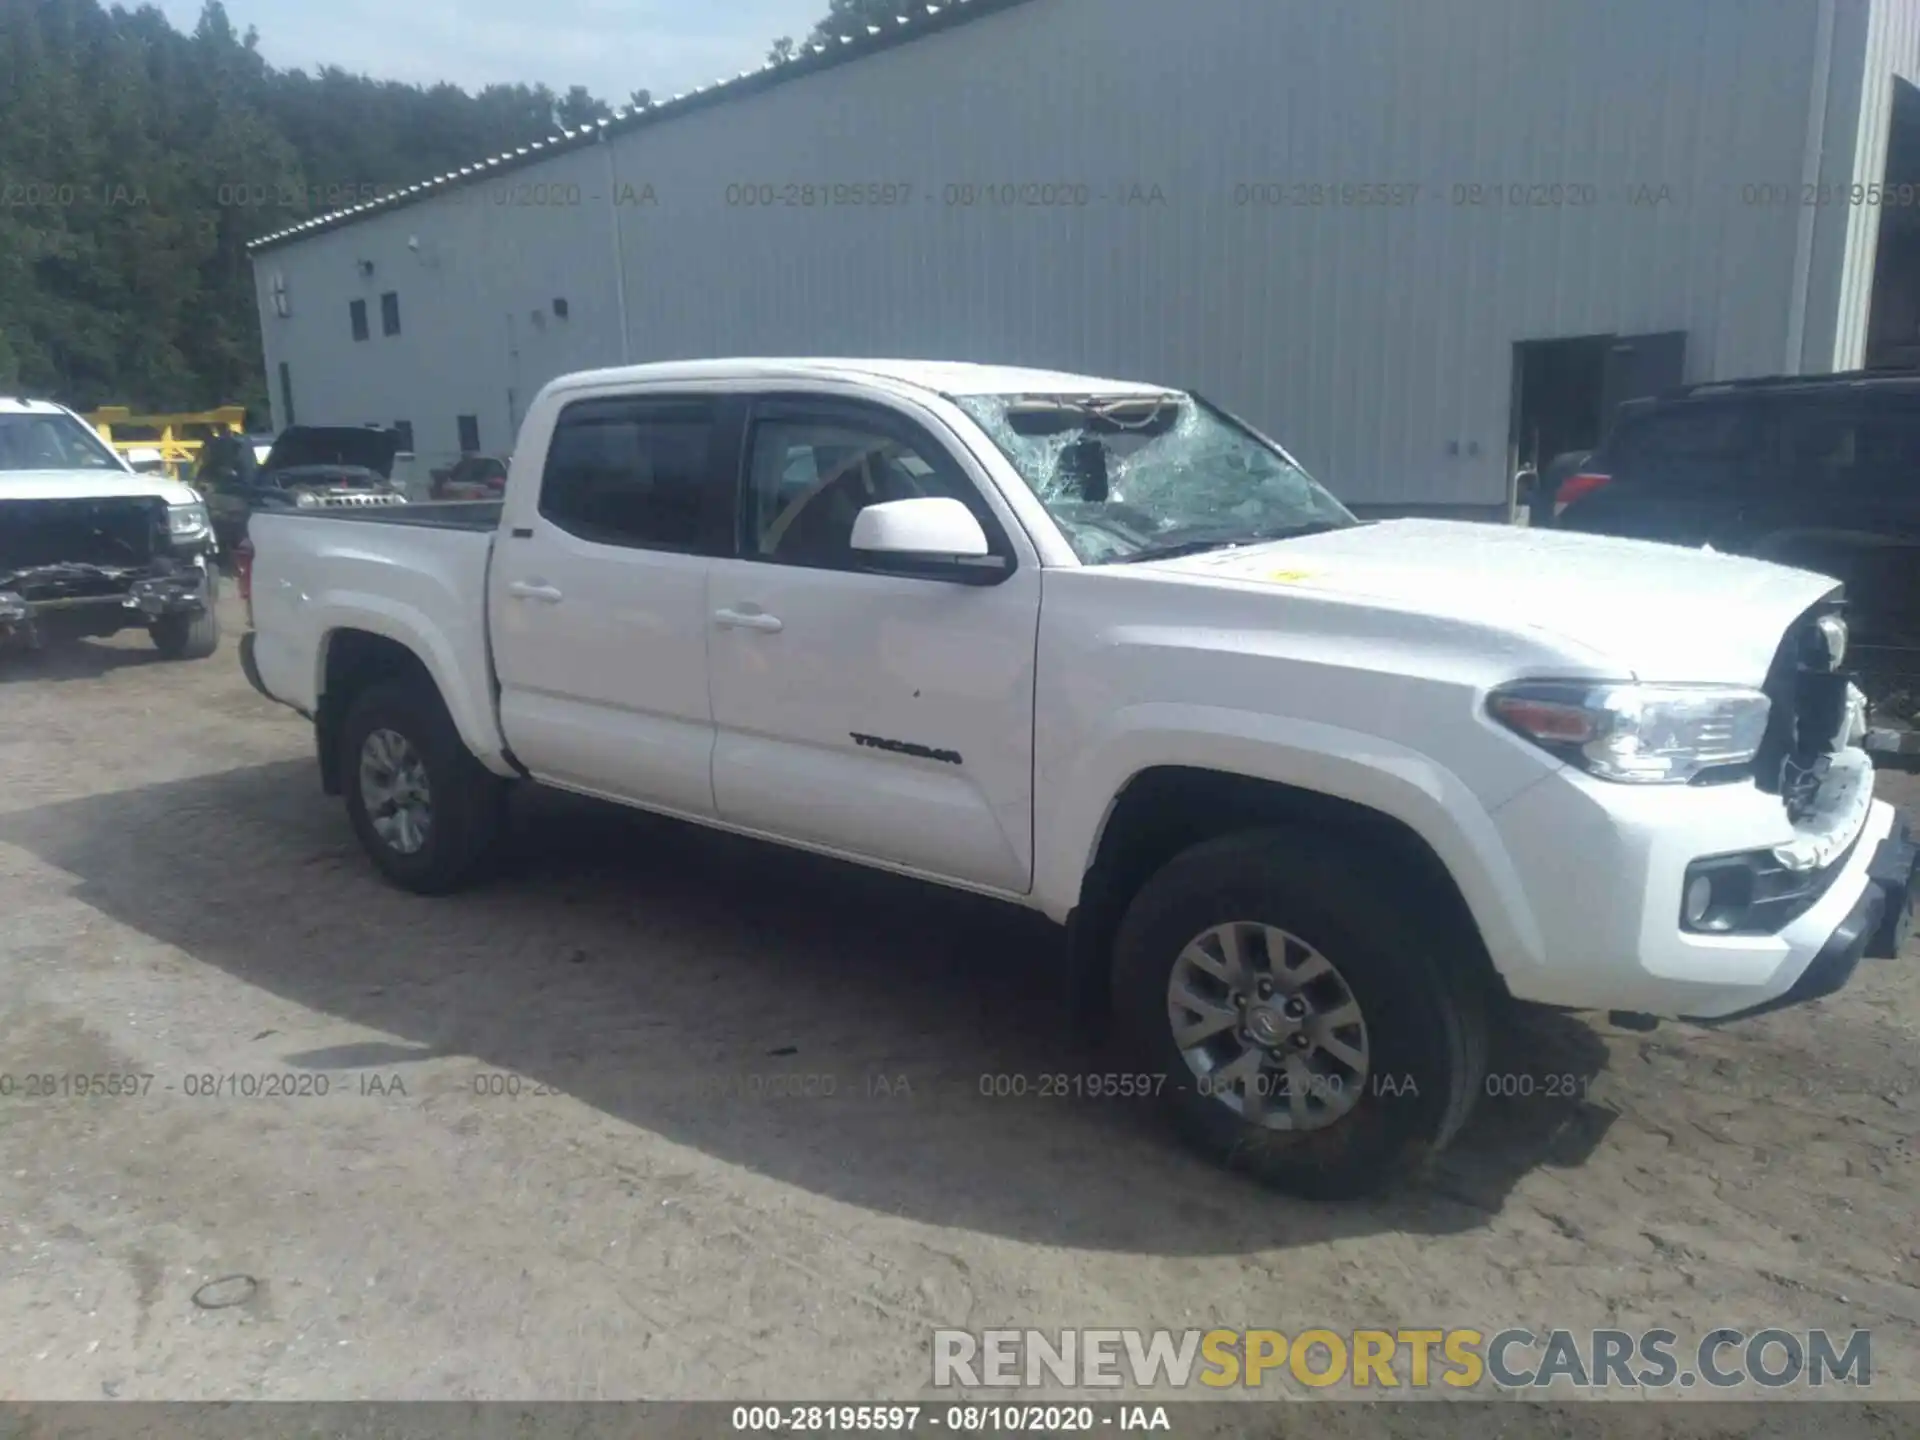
533	590
744	620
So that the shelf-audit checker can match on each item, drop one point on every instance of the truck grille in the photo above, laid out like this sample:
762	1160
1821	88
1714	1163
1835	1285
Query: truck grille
1808	716
356	498
117	532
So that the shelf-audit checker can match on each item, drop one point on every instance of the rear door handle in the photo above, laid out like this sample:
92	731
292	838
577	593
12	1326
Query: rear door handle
745	620
534	590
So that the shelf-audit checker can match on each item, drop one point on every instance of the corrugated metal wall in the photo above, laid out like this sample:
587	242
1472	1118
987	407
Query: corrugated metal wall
478	335
1375	339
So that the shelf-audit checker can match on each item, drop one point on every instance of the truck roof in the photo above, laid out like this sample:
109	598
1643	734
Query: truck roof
945	377
1839	380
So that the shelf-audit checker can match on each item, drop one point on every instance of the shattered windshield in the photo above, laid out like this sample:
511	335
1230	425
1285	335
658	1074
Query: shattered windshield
51	442
1138	477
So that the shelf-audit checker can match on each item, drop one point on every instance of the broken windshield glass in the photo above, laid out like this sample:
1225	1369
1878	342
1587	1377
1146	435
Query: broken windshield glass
1146	475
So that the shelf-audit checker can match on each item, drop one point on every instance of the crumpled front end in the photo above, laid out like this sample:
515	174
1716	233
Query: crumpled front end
92	566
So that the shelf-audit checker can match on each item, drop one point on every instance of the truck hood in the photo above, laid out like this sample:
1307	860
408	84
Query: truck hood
1637	608
361	447
91	485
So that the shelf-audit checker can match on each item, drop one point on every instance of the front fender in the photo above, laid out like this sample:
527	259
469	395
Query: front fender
1362	769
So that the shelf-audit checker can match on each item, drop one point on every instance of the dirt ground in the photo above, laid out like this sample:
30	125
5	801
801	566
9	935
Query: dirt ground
633	1212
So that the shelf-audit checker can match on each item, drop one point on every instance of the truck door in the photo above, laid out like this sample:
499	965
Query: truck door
881	715
598	598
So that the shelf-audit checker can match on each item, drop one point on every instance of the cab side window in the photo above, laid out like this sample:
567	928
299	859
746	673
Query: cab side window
1876	455
1690	450
635	472
809	476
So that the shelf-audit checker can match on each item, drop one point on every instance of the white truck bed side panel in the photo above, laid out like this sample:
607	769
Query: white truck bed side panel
420	586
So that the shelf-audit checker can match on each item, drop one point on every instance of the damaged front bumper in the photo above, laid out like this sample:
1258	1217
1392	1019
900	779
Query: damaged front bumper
1876	927
98	599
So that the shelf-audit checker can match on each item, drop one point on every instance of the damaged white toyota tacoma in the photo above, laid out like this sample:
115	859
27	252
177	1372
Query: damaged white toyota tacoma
88	546
1309	794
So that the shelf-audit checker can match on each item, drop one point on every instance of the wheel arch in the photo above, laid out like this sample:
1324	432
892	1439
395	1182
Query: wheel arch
351	660
1164	809
363	635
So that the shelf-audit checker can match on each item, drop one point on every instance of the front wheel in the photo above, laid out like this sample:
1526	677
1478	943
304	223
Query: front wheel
1311	1034
192	636
426	811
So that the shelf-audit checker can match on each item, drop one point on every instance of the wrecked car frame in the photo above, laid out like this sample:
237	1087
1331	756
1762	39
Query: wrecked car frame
89	548
91	567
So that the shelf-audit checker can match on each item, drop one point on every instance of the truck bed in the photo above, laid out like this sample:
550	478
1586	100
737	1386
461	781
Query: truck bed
432	514
417	579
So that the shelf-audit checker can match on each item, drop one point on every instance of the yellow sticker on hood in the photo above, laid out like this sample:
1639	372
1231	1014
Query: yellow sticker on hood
1289	577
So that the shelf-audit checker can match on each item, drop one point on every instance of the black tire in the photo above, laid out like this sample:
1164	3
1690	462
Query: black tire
1425	1016
190	637
468	802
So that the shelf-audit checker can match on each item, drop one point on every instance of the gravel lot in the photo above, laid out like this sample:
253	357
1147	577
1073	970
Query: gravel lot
645	1218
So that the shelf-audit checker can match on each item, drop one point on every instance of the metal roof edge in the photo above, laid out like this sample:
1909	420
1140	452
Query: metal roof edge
919	19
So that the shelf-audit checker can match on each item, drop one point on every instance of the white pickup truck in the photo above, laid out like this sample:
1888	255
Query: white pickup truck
1310	794
90	547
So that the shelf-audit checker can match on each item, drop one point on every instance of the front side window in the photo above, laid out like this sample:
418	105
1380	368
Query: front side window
809	478
1145	476
1864	451
51	442
1699	449
633	472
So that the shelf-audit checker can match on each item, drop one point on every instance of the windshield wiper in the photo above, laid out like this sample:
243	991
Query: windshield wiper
1233	540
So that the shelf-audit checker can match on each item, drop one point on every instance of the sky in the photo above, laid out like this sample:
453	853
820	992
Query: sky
613	47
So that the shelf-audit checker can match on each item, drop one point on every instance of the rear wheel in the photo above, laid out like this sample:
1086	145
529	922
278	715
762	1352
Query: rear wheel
192	636
1310	1033
428	813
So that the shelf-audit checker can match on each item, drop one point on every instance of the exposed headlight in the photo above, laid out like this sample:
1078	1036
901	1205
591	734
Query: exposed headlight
1642	734
305	499
1833	633
188	522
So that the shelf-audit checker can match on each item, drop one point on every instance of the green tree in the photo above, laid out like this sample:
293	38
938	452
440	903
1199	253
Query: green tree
136	162
845	19
577	108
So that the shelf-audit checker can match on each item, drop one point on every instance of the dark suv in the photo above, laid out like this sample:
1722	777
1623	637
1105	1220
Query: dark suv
1822	472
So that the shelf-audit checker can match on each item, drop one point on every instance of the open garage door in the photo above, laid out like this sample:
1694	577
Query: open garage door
1565	394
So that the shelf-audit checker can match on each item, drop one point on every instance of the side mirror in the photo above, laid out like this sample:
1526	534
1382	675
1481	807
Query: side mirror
934	535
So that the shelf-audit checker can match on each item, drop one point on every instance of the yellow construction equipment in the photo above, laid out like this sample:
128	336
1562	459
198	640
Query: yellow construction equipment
175	440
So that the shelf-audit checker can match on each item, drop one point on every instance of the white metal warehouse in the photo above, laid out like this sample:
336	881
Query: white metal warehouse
1415	239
